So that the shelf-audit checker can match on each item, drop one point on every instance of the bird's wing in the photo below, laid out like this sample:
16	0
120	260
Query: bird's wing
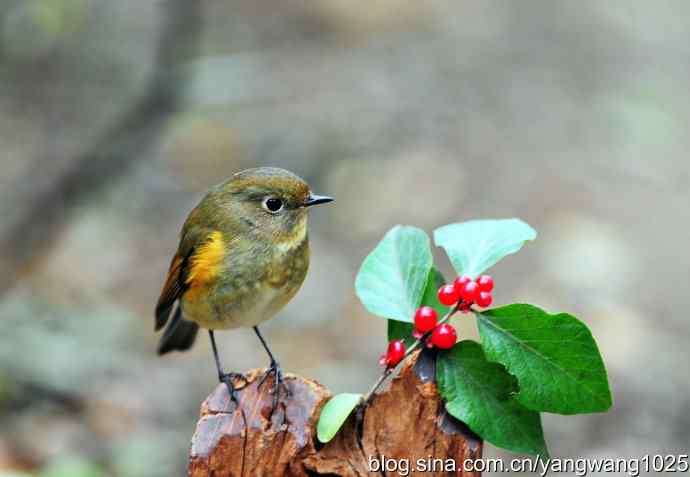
175	285
196	262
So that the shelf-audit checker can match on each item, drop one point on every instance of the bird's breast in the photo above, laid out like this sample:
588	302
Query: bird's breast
252	289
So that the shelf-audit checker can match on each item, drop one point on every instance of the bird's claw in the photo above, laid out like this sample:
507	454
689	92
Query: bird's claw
229	380
279	381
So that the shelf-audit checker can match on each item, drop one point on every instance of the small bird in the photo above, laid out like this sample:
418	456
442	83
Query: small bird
243	255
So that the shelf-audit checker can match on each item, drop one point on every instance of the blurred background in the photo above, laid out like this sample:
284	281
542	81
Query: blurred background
115	117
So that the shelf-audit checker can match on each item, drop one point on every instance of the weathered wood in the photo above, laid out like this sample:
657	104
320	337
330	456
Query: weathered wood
406	421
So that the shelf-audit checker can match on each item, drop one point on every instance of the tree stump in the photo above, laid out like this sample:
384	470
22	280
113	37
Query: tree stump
405	426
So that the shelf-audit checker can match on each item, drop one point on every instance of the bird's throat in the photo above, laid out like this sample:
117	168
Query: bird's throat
293	239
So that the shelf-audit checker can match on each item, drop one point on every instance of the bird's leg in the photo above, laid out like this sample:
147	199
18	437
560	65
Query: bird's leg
275	369
227	378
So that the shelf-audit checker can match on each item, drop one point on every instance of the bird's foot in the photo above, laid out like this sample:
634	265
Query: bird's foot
229	379
279	382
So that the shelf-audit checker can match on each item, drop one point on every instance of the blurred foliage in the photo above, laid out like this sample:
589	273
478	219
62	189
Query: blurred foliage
33	28
41	350
570	115
71	466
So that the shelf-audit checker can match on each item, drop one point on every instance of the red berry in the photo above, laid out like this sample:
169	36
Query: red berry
486	283
464	307
461	281
444	336
425	319
484	299
395	354
470	292
448	295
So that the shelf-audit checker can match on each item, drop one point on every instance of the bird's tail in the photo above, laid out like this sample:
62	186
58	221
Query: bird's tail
179	334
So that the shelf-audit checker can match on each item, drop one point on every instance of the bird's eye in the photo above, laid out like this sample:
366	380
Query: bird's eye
273	205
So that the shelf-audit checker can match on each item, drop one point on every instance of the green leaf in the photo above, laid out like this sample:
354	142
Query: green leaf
430	297
554	357
392	278
475	246
482	395
334	414
398	330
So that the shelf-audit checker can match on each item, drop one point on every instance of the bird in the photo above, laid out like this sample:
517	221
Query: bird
243	254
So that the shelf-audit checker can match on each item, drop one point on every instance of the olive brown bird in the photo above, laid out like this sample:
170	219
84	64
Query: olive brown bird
243	255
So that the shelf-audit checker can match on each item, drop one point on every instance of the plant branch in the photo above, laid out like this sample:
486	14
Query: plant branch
422	339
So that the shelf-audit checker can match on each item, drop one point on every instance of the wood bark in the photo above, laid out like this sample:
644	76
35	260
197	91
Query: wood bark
407	421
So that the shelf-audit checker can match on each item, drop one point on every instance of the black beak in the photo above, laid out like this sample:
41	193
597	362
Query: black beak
317	199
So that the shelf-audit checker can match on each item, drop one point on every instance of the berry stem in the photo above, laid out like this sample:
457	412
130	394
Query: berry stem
387	372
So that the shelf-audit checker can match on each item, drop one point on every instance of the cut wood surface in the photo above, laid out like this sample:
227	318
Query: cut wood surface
406	421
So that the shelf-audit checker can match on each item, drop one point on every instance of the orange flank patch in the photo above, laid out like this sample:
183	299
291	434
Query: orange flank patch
206	262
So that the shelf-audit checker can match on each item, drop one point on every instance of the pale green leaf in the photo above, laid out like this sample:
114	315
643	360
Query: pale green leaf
334	414
393	276
477	245
399	330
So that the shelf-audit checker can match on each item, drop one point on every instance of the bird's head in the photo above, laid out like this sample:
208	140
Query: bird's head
269	202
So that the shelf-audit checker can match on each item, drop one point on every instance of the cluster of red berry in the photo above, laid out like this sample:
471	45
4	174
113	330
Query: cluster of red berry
443	336
464	291
469	291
